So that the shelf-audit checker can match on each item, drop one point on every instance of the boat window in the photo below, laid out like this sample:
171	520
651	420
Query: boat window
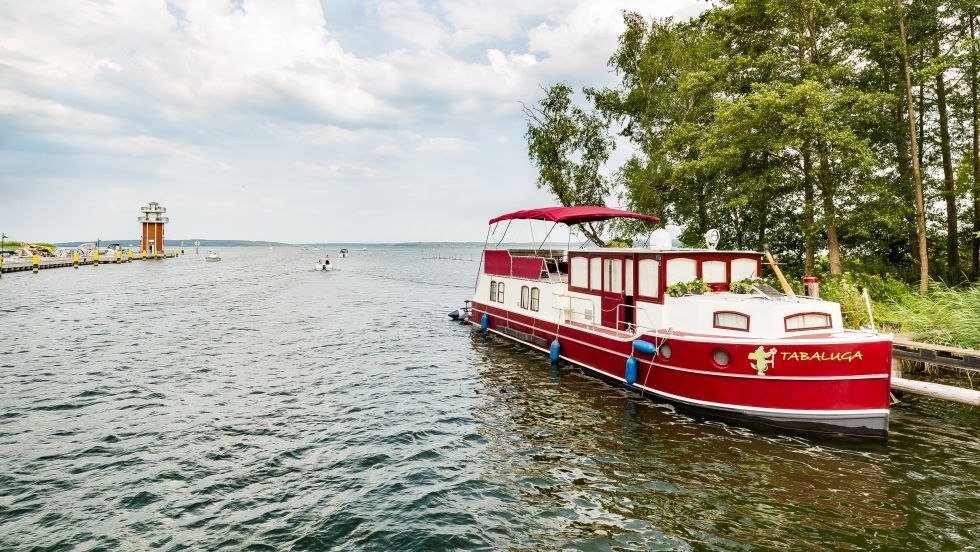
493	290
613	273
744	268
713	272
580	272
500	292
649	284
728	320
535	299
525	296
595	273
808	321
681	270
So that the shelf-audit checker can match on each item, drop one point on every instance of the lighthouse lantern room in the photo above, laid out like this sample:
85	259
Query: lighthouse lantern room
152	221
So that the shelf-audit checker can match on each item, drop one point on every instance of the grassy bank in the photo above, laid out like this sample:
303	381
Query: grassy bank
946	316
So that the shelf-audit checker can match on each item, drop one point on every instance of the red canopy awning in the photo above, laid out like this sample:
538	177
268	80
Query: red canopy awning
573	215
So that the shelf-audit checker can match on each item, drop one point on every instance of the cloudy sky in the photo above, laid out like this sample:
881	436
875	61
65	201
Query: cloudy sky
294	121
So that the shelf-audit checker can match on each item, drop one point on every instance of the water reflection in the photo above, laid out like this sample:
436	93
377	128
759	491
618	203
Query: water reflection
601	467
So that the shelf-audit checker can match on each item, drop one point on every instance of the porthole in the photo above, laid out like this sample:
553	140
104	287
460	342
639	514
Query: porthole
665	351
721	357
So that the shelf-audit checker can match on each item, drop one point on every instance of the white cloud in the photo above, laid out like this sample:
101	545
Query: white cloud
443	144
227	98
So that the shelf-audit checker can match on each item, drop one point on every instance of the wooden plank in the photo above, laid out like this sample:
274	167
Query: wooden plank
937	391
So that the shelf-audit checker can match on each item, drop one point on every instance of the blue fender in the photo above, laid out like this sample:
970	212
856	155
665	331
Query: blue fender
632	369
644	347
555	350
484	322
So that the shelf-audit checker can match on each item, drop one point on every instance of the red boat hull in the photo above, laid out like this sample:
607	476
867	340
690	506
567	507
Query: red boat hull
830	385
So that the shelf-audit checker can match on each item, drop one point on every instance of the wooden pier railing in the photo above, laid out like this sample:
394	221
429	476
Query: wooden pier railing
904	349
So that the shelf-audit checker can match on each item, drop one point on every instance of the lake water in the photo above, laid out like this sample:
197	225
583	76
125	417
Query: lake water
254	404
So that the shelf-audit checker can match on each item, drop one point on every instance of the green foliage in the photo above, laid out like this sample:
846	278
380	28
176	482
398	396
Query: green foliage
569	147
694	287
946	316
744	286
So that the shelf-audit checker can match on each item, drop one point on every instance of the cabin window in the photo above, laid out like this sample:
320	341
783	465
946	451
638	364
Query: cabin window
808	321
500	292
681	270
728	320
535	299
613	275
713	272
649	284
744	268
595	273
525	296
493	291
580	272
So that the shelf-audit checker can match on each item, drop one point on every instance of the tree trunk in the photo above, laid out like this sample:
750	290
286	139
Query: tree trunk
920	213
829	212
974	68
949	180
808	212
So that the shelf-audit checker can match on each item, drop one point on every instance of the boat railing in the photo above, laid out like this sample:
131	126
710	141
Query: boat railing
635	324
533	266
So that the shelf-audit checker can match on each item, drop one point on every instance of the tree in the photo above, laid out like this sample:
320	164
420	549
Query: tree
569	147
920	212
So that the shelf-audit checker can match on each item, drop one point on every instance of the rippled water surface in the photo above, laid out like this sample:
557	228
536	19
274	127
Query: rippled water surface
256	404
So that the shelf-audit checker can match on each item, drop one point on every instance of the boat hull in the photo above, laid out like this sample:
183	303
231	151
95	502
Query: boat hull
833	385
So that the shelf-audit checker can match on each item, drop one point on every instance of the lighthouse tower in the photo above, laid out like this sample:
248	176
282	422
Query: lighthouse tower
153	220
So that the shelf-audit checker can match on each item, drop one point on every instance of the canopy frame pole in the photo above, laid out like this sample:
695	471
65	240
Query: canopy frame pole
504	235
479	266
546	237
530	226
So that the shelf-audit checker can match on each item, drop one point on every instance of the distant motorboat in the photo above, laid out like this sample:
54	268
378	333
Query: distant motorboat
344	252
324	264
212	256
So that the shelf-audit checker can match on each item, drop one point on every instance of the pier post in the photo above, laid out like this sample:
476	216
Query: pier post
36	262
118	255
144	254
1	263
95	258
129	255
74	259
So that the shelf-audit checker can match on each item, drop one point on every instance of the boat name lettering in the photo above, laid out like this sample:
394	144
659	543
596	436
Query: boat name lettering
822	356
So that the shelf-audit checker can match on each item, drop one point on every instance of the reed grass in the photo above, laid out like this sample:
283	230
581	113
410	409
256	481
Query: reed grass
946	316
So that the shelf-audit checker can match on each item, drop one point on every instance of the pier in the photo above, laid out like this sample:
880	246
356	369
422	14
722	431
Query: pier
904	349
24	264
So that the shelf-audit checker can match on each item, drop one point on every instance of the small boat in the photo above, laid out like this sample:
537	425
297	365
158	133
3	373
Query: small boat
324	264
212	256
344	252
694	327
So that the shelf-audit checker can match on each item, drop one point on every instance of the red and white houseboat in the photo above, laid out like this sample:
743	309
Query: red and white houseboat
781	360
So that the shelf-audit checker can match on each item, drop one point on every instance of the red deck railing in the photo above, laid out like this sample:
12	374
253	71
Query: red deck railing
501	263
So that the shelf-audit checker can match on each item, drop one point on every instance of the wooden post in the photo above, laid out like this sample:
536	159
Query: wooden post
779	274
